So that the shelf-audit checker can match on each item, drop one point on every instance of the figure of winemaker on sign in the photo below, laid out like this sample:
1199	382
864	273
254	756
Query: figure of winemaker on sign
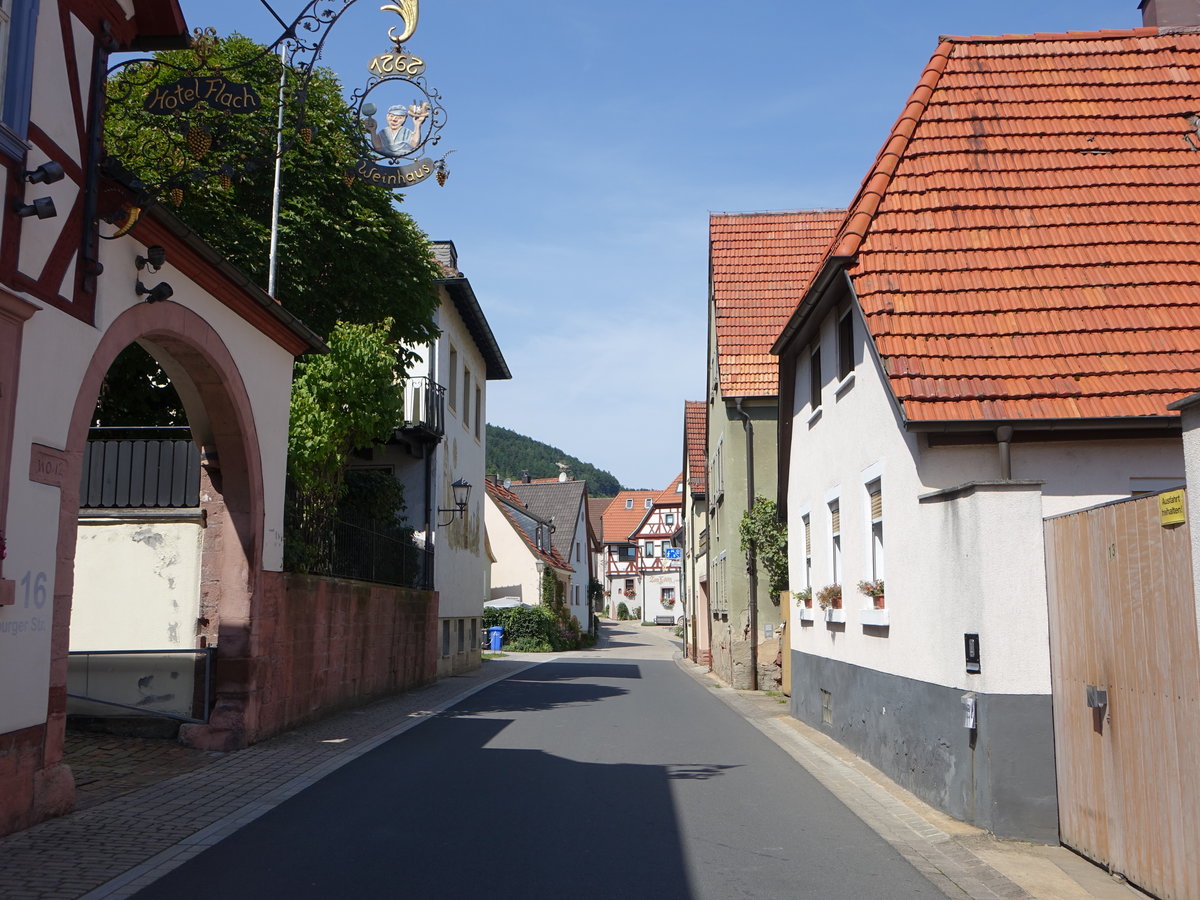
396	138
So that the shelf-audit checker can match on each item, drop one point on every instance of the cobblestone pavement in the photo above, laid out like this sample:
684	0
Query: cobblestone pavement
148	806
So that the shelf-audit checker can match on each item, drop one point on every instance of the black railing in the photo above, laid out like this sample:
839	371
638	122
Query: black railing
366	554
317	542
131	468
424	406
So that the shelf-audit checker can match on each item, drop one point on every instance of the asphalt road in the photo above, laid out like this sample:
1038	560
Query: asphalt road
609	774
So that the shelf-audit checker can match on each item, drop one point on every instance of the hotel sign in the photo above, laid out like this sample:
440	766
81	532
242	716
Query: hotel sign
215	90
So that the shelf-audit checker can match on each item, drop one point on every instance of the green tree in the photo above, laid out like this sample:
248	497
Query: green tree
345	252
513	455
764	536
342	401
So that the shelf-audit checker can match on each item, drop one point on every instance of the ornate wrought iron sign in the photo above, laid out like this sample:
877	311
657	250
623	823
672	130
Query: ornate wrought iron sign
193	94
396	149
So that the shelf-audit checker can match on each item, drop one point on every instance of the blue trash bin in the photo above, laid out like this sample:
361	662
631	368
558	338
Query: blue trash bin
496	636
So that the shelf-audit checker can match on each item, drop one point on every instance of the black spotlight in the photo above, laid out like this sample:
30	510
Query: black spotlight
46	173
42	207
155	258
161	291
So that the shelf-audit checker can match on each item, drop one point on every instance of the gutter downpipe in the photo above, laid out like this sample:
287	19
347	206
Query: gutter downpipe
1004	436
751	560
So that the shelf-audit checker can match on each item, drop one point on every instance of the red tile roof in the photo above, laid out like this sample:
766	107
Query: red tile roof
695	433
673	495
620	523
760	265
1028	239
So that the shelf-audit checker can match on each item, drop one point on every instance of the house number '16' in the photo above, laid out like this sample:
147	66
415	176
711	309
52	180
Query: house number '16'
35	589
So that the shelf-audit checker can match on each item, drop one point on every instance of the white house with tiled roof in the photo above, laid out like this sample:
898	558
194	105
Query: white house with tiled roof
563	503
522	545
992	338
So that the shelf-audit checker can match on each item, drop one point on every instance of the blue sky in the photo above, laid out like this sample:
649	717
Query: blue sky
592	141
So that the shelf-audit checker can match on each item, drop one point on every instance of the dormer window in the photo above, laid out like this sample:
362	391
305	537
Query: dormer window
629	503
649	502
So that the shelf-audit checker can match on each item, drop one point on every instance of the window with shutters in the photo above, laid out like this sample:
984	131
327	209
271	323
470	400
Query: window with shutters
478	412
806	520
466	407
835	534
452	391
875	500
814	379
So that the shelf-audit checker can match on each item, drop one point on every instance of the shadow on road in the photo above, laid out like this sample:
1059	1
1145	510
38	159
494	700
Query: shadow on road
562	670
437	813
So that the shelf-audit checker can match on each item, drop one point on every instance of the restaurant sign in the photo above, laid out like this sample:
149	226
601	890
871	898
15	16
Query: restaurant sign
400	117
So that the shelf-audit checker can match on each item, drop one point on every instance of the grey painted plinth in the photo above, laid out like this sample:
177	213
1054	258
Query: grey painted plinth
1000	778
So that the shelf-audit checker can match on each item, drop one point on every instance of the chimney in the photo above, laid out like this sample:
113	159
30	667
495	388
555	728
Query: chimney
447	257
1170	13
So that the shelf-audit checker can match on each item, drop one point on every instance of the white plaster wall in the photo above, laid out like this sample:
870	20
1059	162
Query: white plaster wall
153	602
515	566
654	585
949	568
460	561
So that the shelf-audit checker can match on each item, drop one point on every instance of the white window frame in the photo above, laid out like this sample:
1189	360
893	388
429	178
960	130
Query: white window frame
833	508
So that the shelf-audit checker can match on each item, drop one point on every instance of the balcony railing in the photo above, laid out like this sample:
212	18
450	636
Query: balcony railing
424	407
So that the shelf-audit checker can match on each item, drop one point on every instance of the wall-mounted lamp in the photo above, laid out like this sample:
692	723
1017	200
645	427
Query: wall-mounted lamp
46	173
155	258
462	492
42	207
161	291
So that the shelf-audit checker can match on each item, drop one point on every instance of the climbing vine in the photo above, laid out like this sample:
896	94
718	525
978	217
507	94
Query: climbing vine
766	537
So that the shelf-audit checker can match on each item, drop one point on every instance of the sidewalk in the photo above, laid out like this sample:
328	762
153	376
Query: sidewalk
116	843
114	846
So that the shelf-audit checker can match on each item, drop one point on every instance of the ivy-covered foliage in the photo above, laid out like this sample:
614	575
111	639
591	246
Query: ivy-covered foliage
341	401
764	536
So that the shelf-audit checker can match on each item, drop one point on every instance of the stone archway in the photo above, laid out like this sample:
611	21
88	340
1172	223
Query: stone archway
214	394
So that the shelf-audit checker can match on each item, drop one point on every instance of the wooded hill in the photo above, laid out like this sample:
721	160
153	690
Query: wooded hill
515	455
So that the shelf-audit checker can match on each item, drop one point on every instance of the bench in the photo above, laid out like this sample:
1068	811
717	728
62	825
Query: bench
664	620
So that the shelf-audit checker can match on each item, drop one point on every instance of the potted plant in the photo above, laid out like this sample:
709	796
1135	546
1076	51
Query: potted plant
803	597
630	593
874	590
830	597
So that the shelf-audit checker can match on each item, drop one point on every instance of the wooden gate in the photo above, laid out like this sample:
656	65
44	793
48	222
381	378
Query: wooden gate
1123	619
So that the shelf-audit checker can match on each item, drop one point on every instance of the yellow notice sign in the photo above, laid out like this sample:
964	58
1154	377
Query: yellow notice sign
1172	507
